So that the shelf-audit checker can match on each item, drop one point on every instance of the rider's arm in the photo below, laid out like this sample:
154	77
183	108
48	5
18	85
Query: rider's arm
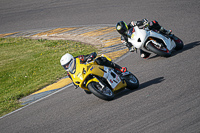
134	23
131	24
143	22
85	58
124	39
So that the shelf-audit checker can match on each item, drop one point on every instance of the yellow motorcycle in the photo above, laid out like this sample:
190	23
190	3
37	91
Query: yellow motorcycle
104	82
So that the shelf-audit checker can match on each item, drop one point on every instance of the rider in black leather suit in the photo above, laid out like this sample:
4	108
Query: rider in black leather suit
123	29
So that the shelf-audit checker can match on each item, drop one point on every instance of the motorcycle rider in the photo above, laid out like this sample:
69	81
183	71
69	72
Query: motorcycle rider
123	29
67	59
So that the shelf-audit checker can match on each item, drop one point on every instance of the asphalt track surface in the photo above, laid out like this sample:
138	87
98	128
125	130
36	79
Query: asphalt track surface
168	99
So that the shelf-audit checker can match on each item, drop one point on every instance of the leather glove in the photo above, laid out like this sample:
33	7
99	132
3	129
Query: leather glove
90	58
145	21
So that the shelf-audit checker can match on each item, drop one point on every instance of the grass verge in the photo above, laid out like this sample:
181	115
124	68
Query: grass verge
27	65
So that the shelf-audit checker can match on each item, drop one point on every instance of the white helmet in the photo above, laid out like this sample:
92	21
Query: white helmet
66	60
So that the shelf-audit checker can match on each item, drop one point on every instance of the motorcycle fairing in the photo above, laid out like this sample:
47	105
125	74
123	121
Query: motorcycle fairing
170	44
83	71
112	78
140	36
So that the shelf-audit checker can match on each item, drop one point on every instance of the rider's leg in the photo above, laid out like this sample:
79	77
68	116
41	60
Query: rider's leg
167	32
103	61
154	25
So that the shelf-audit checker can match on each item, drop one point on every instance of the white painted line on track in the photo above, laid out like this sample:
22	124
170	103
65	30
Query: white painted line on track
37	101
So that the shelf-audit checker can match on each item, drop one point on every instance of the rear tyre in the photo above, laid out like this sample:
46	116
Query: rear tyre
103	93
162	52
131	81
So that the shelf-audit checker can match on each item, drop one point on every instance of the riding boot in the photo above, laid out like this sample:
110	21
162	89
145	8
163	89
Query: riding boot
117	67
167	32
103	61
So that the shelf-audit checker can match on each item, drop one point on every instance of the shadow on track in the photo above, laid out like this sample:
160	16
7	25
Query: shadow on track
187	47
142	86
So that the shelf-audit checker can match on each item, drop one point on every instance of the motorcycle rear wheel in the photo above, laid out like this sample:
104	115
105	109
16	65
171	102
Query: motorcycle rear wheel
103	93
131	81
158	51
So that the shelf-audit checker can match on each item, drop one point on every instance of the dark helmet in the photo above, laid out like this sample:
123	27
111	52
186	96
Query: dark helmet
122	27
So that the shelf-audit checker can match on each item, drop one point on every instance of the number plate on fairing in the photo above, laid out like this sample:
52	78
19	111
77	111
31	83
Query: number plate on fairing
112	78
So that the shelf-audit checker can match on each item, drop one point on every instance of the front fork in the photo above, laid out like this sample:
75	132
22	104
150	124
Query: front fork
102	84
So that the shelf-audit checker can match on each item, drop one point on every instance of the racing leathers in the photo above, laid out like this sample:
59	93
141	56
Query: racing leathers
100	61
152	25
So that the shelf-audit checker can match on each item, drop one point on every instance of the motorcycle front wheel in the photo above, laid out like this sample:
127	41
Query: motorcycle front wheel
103	93
179	43
162	51
131	81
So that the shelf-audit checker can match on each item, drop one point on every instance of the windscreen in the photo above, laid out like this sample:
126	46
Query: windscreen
72	66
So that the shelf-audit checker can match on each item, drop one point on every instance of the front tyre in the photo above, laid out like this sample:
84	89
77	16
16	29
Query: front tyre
103	93
131	81
179	43
88	92
162	51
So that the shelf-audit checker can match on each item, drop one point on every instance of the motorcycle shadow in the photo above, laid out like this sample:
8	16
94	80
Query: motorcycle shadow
187	47
142	86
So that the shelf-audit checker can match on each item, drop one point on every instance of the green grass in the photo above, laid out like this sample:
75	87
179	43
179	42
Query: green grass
28	65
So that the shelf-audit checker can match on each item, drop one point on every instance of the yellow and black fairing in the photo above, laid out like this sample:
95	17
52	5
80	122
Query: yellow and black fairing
82	75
